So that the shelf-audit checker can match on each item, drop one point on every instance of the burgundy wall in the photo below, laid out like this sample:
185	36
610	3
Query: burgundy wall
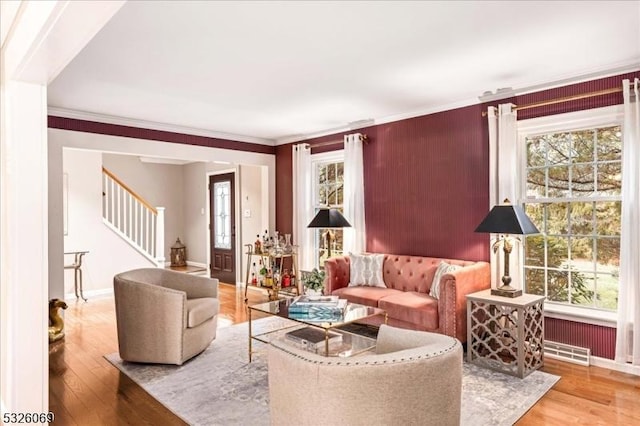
284	189
601	340
154	135
426	184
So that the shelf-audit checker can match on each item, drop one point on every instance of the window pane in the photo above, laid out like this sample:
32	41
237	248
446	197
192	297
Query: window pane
322	174
557	221
582	218
608	254
607	291
339	195
535	211
558	286
331	195
534	250
582	146
609	178
331	173
582	288
321	196
582	253
534	281
558	182
557	252
536	151
609	143
582	180
340	172
608	215
222	214
536	183
559	148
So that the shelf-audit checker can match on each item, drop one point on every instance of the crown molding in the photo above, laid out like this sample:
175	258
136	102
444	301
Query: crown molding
153	125
161	160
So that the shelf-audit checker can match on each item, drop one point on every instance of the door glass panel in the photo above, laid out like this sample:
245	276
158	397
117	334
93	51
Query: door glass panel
222	214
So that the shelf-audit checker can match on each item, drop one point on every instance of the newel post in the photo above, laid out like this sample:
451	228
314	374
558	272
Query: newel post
160	237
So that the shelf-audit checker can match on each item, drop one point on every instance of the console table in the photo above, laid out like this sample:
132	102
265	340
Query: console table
505	334
77	271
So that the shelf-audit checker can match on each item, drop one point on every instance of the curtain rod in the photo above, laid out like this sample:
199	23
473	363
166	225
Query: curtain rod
565	99
363	138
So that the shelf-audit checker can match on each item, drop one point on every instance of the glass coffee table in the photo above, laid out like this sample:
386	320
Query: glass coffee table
349	343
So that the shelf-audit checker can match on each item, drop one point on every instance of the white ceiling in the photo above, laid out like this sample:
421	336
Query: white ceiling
273	72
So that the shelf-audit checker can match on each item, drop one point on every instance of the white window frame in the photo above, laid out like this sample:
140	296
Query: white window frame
317	159
591	118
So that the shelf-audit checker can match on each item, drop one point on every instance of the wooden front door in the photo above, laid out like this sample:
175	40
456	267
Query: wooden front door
222	227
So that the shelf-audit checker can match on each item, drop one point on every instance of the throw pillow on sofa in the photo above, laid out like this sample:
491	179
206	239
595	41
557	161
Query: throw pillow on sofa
443	268
366	270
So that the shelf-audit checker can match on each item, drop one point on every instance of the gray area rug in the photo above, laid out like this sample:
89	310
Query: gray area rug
220	386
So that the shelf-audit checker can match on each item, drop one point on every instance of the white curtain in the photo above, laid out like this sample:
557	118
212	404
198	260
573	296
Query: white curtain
302	205
355	238
628	332
504	182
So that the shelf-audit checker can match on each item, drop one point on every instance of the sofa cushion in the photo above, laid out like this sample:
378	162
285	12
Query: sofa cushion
443	268
412	307
200	310
366	270
409	273
364	295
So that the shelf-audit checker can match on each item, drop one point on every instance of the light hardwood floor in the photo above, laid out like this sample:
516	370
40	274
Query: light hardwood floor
85	389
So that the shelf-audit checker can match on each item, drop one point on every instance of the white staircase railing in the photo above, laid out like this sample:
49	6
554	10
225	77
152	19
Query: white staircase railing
133	218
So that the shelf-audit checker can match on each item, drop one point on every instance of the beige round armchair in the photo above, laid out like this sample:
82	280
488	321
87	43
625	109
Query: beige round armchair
414	378
163	316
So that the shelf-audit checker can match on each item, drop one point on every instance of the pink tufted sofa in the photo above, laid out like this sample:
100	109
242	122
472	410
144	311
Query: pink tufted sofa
406	298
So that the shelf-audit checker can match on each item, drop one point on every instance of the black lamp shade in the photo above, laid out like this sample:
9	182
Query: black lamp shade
507	219
329	218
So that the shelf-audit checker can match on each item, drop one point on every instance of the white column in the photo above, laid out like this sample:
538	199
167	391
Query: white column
160	237
24	235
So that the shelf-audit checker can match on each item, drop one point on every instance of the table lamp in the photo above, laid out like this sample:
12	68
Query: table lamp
506	219
330	219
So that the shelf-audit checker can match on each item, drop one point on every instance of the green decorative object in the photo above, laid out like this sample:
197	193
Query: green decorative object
315	280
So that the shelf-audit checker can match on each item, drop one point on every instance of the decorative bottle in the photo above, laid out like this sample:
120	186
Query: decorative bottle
257	246
286	278
292	279
263	273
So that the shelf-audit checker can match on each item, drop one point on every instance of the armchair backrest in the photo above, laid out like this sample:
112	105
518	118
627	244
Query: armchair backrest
151	312
415	385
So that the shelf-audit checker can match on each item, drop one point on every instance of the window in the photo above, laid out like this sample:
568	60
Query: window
572	187
328	184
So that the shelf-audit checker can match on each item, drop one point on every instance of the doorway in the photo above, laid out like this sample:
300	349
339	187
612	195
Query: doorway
222	227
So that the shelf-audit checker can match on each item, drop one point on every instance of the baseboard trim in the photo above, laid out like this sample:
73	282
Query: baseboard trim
616	366
197	264
101	292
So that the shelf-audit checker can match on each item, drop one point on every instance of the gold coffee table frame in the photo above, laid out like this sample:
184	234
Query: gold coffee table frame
353	313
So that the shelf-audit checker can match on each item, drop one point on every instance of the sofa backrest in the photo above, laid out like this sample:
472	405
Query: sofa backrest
413	273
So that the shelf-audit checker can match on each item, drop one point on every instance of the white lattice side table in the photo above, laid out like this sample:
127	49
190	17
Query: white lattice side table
505	334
